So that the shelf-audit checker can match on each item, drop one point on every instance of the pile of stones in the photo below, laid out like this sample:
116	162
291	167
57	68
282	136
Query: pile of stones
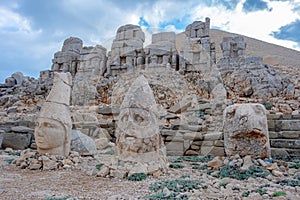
31	159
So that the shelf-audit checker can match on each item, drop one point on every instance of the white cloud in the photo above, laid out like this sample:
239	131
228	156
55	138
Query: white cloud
259	24
12	21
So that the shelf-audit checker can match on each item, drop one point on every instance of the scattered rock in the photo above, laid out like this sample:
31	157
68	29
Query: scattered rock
82	143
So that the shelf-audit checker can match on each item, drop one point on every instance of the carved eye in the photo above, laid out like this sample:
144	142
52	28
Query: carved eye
124	118
138	118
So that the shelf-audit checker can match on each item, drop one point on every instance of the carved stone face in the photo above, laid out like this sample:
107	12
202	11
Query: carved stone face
50	134
137	122
137	131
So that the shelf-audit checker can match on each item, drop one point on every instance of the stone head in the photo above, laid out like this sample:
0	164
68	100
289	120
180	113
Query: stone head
51	134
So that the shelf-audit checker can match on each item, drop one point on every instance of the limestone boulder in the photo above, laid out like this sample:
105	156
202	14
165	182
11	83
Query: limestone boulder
82	143
246	131
19	77
16	141
1	137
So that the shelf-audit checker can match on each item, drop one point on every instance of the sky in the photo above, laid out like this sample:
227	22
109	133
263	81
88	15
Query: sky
31	31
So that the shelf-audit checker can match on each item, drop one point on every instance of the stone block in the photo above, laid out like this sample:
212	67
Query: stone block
82	143
207	143
290	125
107	110
289	134
219	143
175	138
166	132
193	136
175	153
215	151
285	143
279	152
22	129
191	153
213	136
1	137
16	141
175	146
180	107
273	135
271	125
246	131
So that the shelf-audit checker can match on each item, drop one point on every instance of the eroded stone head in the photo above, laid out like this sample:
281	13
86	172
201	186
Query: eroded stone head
139	145
246	131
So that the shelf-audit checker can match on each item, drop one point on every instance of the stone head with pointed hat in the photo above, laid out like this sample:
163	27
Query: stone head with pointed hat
139	144
53	129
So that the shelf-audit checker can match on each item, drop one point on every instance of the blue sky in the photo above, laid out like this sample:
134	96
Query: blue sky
31	31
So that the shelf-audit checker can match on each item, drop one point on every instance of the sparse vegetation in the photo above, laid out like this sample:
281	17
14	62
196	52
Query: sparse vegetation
176	166
14	153
58	198
9	160
137	177
260	191
223	184
237	173
278	194
289	182
198	158
199	167
98	166
176	187
268	105
245	194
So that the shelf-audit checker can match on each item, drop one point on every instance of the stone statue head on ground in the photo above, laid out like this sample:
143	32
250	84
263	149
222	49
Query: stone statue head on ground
53	130
139	145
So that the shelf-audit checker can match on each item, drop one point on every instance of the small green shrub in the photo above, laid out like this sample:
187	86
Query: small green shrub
206	158
14	153
245	194
156	196
223	184
294	165
200	167
261	191
278	194
98	166
289	182
137	177
178	186
57	198
161	195
176	159
176	166
237	173
268	105
9	160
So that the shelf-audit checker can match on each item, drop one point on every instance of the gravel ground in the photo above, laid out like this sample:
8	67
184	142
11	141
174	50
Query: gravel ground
80	182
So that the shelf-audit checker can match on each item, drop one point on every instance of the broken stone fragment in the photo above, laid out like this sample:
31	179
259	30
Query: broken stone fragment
246	131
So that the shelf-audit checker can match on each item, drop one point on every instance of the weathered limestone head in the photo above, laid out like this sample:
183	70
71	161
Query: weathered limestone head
139	111
72	44
198	29
233	46
139	145
246	131
53	129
